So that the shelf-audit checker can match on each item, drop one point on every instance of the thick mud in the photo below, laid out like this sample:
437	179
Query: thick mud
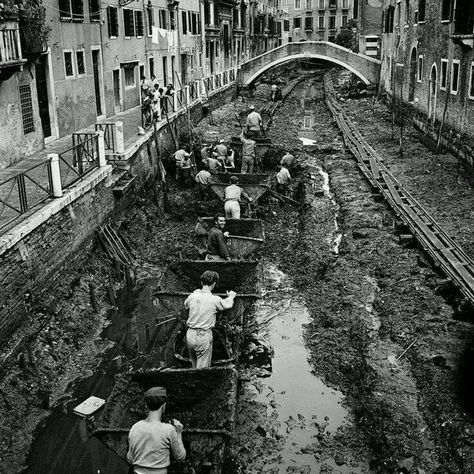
352	362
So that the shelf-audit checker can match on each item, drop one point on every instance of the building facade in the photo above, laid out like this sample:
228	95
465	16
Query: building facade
428	60
98	50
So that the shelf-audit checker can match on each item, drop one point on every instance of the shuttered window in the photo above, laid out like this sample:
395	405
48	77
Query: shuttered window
112	22
128	22
26	106
139	25
94	10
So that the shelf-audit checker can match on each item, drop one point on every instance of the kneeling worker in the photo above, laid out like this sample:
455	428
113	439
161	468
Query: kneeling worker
203	307
217	250
150	440
233	193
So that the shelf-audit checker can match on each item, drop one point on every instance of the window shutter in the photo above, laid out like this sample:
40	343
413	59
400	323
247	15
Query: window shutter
77	10
64	8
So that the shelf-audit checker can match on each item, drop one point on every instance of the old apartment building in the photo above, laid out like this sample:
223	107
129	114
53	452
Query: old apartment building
95	52
428	60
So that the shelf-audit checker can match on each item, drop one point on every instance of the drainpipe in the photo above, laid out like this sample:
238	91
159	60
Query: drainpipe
179	45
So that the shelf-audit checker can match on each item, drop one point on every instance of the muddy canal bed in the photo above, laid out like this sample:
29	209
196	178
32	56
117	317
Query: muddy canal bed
325	383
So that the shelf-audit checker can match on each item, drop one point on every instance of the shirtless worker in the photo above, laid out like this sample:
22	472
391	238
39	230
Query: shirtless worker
217	250
151	441
203	307
233	194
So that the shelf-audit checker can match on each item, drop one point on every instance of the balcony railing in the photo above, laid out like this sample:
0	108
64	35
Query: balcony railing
10	48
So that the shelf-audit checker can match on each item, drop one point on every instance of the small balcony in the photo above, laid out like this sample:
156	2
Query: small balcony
11	59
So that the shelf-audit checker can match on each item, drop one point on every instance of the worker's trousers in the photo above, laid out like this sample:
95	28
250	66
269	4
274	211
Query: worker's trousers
247	164
199	343
232	209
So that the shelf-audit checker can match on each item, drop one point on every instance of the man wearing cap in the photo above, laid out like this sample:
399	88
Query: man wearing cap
248	153
288	160
203	307
254	121
221	152
151	441
232	196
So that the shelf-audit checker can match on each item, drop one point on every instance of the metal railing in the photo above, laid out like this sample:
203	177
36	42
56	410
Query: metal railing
10	49
109	135
78	160
193	91
24	191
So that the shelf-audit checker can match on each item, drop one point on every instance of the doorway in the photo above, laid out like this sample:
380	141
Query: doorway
184	69
117	92
42	91
165	71
211	57
96	72
412	72
173	69
433	93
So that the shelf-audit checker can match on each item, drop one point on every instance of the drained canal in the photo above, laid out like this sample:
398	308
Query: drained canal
317	388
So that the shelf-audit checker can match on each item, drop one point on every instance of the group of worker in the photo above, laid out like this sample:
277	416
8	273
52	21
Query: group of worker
151	441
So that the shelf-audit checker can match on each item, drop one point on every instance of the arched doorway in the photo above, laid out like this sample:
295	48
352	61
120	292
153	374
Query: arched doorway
433	93
413	66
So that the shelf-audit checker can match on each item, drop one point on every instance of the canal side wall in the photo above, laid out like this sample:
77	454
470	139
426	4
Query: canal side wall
51	246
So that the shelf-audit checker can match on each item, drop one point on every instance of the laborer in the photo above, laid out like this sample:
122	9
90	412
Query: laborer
232	196
183	161
254	122
216	247
229	162
283	179
205	152
203	307
288	159
151	441
221	152
203	180
147	109
248	153
275	93
214	165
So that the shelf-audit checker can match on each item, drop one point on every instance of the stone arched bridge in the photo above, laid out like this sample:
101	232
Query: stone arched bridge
363	66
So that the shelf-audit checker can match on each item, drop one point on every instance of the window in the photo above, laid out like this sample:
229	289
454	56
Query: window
464	17
112	22
184	20
80	63
443	80
446	10
297	23
71	10
321	4
321	22
308	23
172	20
421	10
297	4
139	26
195	24
152	66
68	65
455	77
389	17
150	20
163	19
345	4
308	5
355	8
94	10
407	12
420	68
286	25
471	82
129	76
344	21
128	23
332	22
26	106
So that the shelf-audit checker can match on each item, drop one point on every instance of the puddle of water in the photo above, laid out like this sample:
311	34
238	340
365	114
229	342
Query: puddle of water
61	444
300	402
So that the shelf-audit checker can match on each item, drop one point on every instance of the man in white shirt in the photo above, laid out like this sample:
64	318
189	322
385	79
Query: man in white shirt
283	179
151	441
203	307
254	122
232	196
